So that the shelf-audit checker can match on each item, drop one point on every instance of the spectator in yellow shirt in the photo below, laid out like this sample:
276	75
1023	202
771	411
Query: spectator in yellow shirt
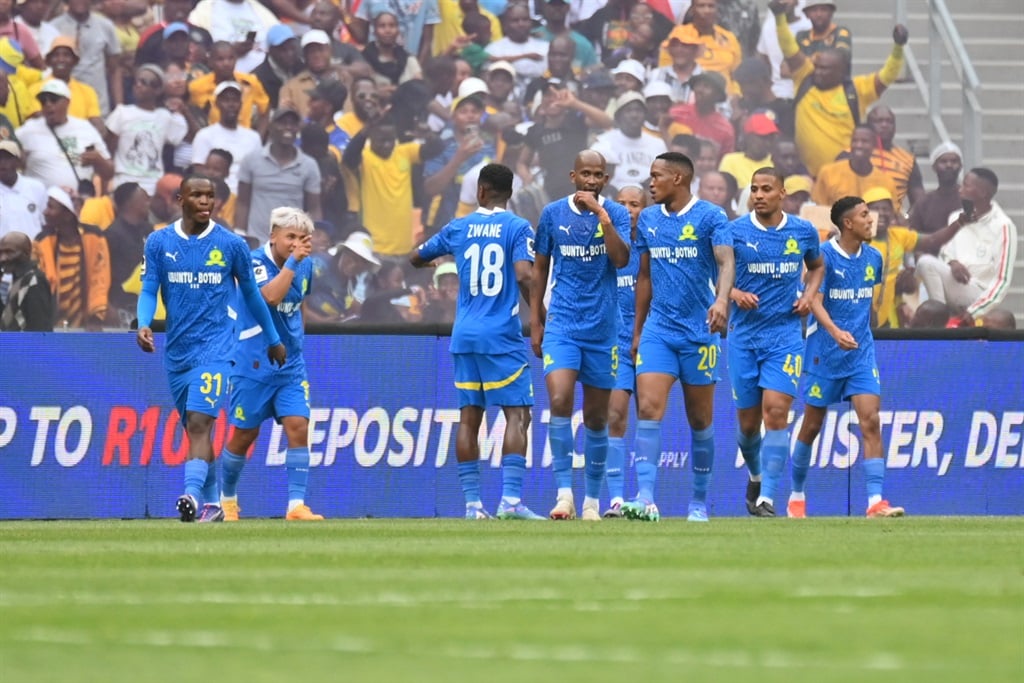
828	104
854	176
721	51
759	135
62	58
255	101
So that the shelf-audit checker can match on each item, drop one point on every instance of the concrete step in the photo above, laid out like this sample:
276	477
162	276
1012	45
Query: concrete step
994	96
1008	25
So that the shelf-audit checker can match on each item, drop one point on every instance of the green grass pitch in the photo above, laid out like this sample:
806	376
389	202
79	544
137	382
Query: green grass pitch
917	599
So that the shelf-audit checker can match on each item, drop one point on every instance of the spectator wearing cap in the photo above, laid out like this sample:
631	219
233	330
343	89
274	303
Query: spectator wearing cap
32	15
629	76
463	149
658	96
753	76
226	133
242	23
338	294
282	62
385	169
62	150
721	51
897	243
22	199
386	56
628	152
825	110
559	132
17	105
894	160
608	27
76	260
138	132
526	53
29	306
683	45
702	116
443	296
768	47
759	135
176	47
61	59
555	13
278	174
325	16
15	30
598	90
316	53
255	101
823	33
417	21
854	176
933	210
450	33
974	270
150	50
99	65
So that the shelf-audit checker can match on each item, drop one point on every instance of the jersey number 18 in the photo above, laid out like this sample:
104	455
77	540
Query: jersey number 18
485	268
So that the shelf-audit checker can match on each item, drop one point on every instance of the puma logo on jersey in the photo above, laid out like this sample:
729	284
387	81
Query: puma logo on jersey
753	246
840	273
564	228
173	257
653	231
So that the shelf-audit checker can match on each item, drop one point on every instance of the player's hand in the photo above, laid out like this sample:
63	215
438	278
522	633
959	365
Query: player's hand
537	337
303	248
900	34
585	199
845	340
718	316
960	272
748	301
277	355
802	306
634	348
144	338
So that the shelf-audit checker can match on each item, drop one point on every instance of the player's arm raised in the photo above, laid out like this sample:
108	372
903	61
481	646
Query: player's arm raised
275	291
242	270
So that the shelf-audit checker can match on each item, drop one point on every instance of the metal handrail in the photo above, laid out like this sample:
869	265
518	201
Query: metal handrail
943	37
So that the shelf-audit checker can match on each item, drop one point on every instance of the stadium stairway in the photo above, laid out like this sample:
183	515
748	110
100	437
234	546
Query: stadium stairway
991	32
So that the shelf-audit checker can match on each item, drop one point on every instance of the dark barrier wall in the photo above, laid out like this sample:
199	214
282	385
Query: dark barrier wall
87	430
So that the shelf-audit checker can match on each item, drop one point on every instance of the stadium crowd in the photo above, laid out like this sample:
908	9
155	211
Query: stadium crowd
376	116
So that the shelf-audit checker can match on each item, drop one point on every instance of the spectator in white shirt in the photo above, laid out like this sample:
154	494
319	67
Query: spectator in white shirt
628	151
22	199
226	134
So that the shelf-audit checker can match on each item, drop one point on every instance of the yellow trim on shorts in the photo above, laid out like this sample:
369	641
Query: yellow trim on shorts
491	386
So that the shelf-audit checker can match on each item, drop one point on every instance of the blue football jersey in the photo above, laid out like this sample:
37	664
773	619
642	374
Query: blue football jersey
847	292
769	263
251	357
683	267
583	284
626	279
486	245
197	276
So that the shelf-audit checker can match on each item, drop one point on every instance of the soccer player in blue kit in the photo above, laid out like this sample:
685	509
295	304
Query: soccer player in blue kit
682	305
841	349
283	271
493	251
766	332
194	263
634	198
577	337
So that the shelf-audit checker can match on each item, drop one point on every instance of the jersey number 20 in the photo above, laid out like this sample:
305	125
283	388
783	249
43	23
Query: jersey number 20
485	268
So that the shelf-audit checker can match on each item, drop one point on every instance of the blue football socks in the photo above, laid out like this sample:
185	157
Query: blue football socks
296	462
750	447
702	449
231	467
469	477
595	450
874	476
211	494
513	470
560	438
613	473
648	450
801	464
774	450
195	477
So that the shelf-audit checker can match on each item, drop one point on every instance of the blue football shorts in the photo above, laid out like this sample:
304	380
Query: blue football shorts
751	371
203	389
503	379
821	392
254	402
596	364
625	376
689	362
